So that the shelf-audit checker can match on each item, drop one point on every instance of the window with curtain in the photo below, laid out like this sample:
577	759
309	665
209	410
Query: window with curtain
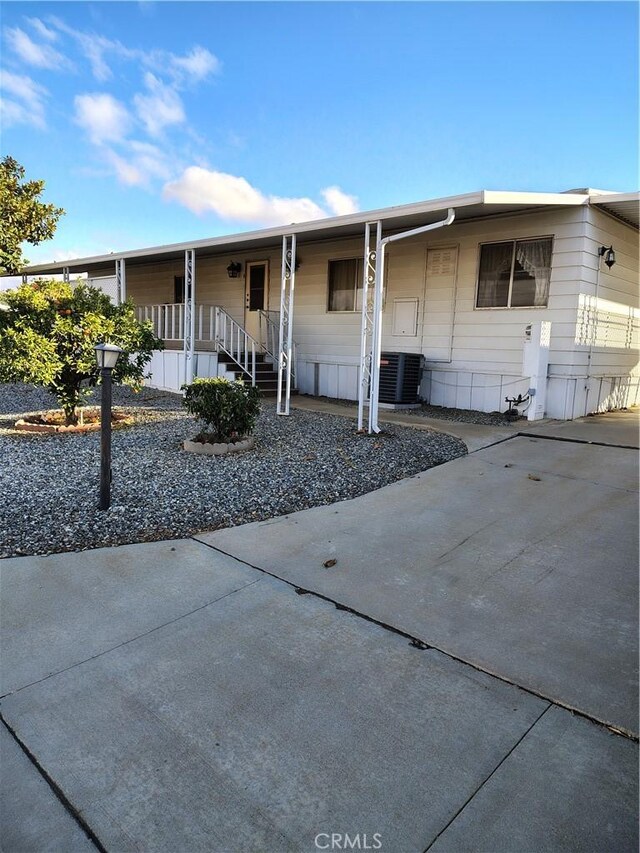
345	284
514	274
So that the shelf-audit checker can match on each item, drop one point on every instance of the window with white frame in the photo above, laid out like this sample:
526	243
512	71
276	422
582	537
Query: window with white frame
514	274
345	285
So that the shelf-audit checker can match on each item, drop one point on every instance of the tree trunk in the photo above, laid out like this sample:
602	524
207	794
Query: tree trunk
70	414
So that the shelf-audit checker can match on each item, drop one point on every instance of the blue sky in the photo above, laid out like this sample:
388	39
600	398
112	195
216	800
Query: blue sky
161	122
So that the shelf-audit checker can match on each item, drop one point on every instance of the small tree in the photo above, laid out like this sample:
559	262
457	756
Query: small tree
229	409
24	218
48	331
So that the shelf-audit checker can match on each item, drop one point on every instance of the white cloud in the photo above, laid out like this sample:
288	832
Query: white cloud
197	64
339	202
232	197
104	118
150	159
142	163
126	172
94	47
160	108
40	55
42	30
25	106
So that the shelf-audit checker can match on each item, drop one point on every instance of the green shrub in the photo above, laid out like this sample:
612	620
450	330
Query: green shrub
229	409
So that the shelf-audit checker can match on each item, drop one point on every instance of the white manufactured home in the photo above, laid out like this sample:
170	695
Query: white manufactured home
497	294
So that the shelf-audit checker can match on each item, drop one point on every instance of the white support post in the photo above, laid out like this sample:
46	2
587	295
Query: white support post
121	281
286	323
189	314
366	329
376	336
65	275
376	345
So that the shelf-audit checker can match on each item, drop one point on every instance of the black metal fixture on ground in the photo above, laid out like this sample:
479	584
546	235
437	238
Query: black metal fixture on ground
107	357
234	269
512	412
608	254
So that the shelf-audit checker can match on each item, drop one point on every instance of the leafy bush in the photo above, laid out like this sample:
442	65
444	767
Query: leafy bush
48	331
229	409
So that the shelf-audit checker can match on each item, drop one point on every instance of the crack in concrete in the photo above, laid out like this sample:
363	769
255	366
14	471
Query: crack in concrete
466	538
419	643
514	466
578	441
130	640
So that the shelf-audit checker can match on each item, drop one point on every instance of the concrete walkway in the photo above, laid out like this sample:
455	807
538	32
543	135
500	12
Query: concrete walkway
179	699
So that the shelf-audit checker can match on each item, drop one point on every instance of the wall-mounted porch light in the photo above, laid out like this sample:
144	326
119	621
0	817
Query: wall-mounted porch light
608	254
234	269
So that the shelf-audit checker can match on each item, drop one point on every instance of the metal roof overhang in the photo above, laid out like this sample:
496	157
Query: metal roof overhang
485	203
625	206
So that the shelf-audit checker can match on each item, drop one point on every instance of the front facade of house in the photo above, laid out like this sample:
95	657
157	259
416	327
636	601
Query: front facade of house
464	297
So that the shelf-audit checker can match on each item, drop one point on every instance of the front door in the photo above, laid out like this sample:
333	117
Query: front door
256	295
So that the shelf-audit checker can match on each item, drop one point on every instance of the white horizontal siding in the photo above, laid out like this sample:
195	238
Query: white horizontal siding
478	353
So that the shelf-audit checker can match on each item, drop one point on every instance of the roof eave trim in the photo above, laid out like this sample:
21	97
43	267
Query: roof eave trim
483	197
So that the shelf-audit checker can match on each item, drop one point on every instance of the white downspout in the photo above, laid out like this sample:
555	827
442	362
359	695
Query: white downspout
377	310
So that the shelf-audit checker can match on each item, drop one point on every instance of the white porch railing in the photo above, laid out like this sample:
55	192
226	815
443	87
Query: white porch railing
269	325
212	325
232	339
167	320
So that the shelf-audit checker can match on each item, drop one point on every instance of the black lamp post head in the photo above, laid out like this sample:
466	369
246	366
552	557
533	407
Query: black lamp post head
234	269
107	355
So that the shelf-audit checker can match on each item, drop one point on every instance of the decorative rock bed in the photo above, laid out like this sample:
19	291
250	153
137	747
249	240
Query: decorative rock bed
49	483
206	448
45	422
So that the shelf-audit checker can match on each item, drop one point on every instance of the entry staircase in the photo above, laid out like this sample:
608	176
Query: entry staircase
265	377
240	354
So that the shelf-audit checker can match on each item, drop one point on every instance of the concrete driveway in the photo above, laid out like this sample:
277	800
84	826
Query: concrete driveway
520	559
170	697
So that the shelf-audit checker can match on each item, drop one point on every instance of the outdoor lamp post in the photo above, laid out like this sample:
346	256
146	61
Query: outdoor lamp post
106	356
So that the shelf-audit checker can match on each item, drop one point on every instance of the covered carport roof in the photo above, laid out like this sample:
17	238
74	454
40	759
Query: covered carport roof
476	205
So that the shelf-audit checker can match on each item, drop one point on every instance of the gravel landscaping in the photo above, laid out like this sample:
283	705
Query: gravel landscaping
467	416
49	483
441	413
